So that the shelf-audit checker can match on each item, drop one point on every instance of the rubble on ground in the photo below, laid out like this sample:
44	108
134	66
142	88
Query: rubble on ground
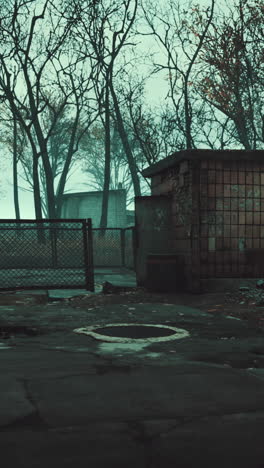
247	295
109	288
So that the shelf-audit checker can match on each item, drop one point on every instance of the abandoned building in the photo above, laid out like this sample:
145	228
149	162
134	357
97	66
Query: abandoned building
89	204
203	220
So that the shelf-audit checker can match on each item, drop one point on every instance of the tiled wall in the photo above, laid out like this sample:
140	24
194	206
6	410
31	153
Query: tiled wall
228	235
231	218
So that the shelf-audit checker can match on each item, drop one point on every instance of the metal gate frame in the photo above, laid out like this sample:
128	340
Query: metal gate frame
88	266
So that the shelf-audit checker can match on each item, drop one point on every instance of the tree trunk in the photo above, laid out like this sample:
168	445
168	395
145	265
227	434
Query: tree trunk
37	198
16	202
103	221
36	190
188	132
62	181
35	177
125	142
59	201
42	143
242	131
49	183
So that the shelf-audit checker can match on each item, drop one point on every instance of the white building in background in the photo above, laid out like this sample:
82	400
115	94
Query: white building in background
89	205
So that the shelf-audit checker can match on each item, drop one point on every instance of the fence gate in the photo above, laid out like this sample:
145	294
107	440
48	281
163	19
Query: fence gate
114	247
47	253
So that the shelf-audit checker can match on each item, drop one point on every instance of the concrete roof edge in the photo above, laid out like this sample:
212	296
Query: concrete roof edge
78	194
175	158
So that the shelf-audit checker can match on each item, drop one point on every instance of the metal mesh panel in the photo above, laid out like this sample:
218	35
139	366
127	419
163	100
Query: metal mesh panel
231	219
45	253
113	247
107	247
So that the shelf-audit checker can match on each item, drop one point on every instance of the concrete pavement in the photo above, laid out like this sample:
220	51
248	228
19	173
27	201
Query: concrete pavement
68	400
188	416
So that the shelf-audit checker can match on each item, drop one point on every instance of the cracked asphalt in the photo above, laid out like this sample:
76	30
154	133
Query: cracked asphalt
68	400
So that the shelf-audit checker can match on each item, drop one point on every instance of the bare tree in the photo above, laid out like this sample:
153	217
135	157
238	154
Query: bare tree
142	120
170	28
68	129
103	30
15	140
33	59
102	92
93	160
233	78
83	115
22	51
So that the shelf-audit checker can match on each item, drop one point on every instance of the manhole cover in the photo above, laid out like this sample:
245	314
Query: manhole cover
135	331
129	332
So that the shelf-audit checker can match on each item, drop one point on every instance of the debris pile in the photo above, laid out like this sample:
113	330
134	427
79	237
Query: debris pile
248	295
109	288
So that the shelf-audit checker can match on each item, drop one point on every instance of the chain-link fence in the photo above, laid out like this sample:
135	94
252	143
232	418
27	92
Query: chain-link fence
46	253
113	247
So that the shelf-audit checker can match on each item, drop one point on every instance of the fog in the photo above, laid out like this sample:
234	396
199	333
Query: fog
155	98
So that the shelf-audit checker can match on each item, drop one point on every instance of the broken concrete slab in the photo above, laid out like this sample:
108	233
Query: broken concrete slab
120	280
257	372
60	294
230	441
188	390
97	445
119	408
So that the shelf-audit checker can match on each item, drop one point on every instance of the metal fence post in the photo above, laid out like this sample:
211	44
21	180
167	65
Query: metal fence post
88	253
134	245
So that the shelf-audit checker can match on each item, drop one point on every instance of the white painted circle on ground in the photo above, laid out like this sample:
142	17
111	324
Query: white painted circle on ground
179	333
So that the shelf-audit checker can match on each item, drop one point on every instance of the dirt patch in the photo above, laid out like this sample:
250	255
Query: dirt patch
14	298
8	331
212	303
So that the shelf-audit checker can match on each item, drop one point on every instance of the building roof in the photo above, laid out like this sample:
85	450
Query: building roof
175	158
93	192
